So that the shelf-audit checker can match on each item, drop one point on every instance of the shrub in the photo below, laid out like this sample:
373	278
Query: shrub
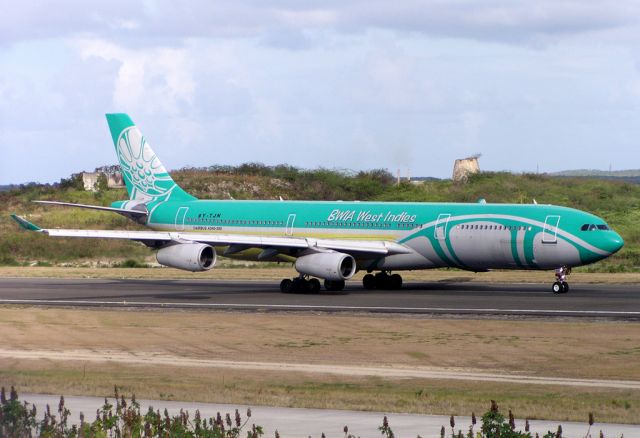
125	419
130	263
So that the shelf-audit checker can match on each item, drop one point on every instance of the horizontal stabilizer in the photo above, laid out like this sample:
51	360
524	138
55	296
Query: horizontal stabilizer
25	223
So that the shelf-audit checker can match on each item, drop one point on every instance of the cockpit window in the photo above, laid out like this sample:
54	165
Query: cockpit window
594	227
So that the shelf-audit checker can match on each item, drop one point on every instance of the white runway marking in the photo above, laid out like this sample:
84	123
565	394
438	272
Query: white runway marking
401	372
322	307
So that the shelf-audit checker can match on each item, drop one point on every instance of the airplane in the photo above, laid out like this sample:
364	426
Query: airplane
332	240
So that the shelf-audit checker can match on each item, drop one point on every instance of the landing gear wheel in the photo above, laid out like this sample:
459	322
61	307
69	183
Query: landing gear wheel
299	285
286	286
369	281
382	280
389	282
561	286
334	285
314	285
395	282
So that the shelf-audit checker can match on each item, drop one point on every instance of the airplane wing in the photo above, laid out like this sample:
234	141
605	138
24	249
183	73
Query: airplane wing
131	214
357	248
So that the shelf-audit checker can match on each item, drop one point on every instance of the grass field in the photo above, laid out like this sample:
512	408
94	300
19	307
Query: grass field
595	350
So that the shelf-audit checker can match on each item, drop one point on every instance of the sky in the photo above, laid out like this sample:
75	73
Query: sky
542	85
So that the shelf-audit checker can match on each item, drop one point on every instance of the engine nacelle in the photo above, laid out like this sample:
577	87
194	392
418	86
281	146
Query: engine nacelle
334	266
193	257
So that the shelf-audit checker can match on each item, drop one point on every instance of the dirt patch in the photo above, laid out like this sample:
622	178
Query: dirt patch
590	350
405	372
390	363
285	271
324	391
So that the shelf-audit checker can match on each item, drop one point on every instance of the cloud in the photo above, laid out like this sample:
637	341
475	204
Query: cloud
308	18
147	80
497	20
32	19
360	84
283	21
472	122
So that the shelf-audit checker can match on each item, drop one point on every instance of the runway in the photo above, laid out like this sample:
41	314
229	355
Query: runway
615	301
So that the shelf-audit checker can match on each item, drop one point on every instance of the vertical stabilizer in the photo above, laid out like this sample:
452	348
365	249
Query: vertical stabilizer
146	178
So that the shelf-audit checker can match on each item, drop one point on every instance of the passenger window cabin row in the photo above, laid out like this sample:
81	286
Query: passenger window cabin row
493	227
404	225
383	225
218	221
233	221
346	224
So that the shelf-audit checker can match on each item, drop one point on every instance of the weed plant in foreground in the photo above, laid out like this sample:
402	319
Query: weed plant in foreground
125	420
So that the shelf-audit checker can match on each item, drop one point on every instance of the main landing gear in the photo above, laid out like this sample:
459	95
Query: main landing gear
303	284
334	285
561	286
382	280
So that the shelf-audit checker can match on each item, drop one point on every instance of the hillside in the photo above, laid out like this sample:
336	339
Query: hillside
617	202
599	173
630	176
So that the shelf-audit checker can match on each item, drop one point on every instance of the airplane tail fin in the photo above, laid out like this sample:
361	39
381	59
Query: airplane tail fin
146	178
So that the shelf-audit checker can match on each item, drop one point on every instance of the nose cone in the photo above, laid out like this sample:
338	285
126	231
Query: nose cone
614	242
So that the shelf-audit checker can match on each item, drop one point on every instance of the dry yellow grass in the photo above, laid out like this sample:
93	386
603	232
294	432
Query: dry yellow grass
565	349
324	392
277	273
602	350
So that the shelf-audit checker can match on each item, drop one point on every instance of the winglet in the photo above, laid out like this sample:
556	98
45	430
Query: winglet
25	223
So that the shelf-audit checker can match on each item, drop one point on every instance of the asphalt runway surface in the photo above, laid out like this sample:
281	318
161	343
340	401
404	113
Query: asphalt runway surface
615	301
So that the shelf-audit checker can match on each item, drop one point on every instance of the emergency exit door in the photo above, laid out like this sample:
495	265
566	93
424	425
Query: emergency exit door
440	230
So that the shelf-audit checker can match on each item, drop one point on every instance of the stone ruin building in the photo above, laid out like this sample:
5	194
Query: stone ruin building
464	167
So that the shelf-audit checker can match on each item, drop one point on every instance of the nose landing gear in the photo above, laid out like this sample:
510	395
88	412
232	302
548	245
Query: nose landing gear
560	286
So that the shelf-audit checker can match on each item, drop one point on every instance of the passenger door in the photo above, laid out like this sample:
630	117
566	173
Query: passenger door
440	230
290	221
550	232
180	217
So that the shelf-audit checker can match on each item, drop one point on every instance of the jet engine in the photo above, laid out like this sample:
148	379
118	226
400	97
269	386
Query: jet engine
193	257
333	266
